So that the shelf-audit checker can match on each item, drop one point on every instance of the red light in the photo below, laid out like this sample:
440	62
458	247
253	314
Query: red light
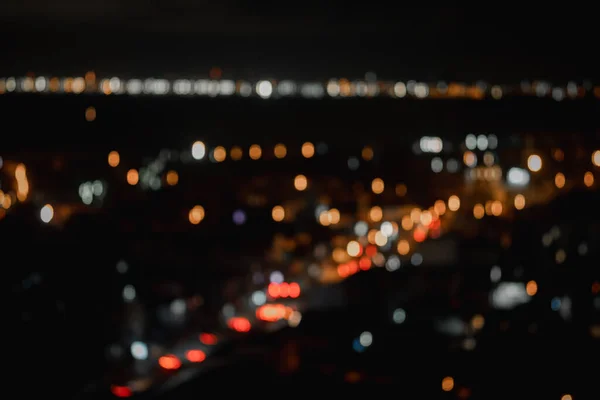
120	391
208	339
364	264
371	251
169	362
239	324
353	267
360	250
284	289
195	356
273	290
343	270
294	290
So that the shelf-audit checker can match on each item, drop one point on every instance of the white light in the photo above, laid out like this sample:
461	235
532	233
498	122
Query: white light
134	86
47	213
534	163
471	141
492	141
198	150
353	163
387	229
227	87
482	142
596	158
361	228
245	89
421	90
11	84
333	88
264	89
178	306
40	84
400	89
508	295
259	298
139	350
399	316
437	165
392	263
495	274
431	144
97	188
128	293
276	277
122	266
366	339
518	177
286	88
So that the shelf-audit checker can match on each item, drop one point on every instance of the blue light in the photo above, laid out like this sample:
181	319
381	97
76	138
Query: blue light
555	304
359	348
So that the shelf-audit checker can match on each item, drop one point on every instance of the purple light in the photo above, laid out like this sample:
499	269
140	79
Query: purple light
239	217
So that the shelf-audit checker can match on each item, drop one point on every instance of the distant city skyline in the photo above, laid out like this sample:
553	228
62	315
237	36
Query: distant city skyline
336	40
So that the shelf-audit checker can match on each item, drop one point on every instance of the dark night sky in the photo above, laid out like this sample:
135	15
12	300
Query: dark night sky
274	39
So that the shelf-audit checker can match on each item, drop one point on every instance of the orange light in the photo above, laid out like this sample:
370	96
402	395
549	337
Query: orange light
273	290
419	235
208	339
284	290
294	290
239	324
133	177
170	362
447	384
114	158
120	391
271	312
531	288
195	356
343	270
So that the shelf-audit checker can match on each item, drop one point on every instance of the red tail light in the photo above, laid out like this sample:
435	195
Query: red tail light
195	356
121	391
169	362
208	339
239	324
